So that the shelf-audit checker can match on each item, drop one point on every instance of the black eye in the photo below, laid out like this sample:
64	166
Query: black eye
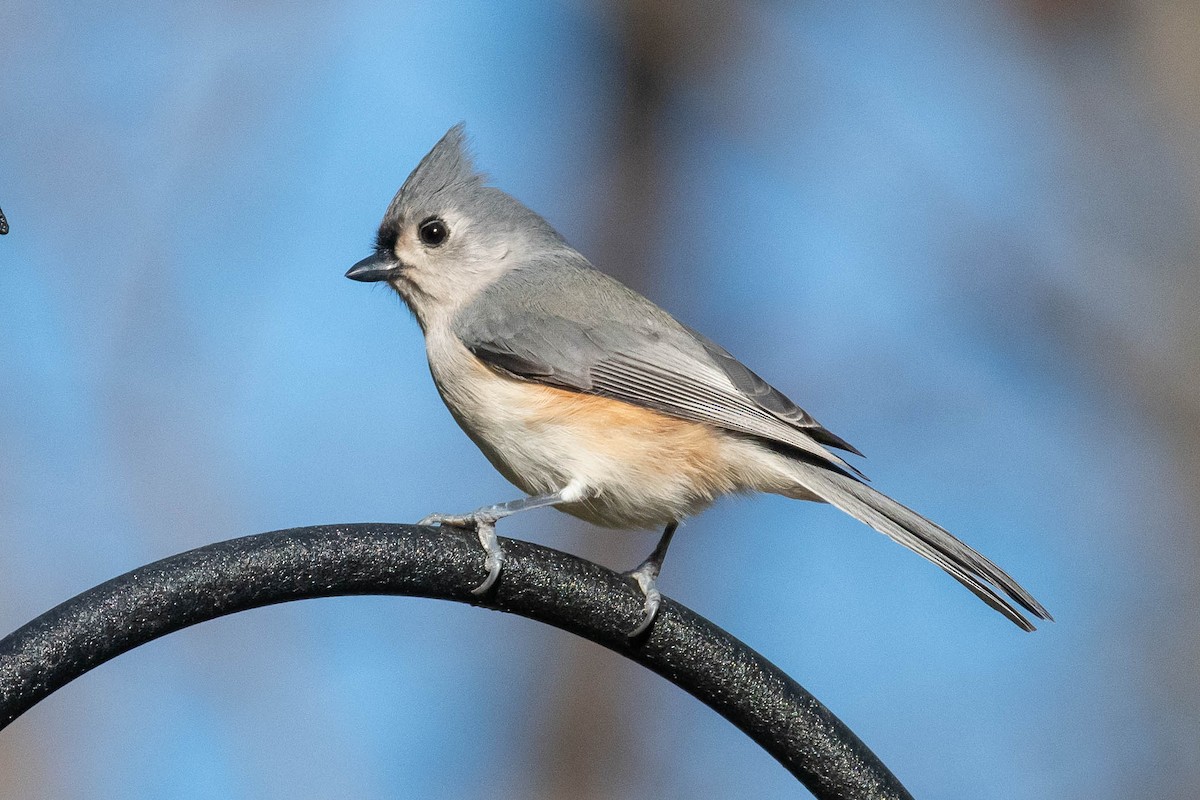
433	232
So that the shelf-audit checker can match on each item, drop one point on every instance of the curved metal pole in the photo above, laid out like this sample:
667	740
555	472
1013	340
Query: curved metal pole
537	582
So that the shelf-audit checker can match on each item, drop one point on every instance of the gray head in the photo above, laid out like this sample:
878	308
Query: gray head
447	235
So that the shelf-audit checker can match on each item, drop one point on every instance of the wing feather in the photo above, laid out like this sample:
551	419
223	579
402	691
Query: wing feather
579	329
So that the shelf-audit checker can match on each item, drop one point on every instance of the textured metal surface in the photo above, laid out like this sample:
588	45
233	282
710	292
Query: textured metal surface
538	583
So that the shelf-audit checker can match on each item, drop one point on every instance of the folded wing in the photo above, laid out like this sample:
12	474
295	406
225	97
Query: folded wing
579	329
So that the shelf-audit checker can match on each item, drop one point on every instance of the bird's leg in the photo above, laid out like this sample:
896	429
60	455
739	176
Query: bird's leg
483	522
647	574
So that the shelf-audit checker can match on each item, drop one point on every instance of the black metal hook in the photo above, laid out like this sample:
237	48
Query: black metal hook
537	582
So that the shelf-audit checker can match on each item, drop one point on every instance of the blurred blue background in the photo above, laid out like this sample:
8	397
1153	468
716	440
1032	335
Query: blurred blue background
964	236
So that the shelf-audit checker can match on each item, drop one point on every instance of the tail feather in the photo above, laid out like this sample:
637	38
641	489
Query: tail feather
986	580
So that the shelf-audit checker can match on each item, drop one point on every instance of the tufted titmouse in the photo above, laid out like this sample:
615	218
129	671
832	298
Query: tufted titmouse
595	401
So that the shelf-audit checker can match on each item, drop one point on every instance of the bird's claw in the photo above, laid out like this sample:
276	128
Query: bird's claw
494	560
645	577
453	520
484	526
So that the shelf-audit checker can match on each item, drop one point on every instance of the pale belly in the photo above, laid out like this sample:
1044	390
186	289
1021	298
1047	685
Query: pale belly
640	468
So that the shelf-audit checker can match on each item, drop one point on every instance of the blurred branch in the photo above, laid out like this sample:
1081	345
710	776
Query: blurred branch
541	584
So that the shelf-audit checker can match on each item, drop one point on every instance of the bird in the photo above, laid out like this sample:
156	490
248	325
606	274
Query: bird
591	399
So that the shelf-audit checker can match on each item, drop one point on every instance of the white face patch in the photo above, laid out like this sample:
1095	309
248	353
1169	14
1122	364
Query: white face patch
443	278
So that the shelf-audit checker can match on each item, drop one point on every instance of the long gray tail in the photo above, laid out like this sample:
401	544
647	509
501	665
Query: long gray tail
990	583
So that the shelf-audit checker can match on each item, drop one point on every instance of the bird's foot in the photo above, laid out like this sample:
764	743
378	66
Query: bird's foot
645	577
484	525
468	521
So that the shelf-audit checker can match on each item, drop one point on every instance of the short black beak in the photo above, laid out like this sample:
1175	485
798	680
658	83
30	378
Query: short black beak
380	266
